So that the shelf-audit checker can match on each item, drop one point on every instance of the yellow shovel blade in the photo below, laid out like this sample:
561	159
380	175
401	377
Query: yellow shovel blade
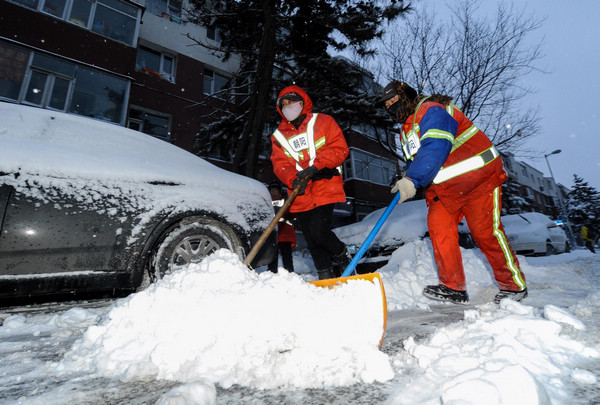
332	282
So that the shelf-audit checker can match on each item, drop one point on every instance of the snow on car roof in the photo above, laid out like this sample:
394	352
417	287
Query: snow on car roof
80	146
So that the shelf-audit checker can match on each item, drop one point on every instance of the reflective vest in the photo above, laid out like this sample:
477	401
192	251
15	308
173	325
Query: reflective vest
297	143
411	142
473	166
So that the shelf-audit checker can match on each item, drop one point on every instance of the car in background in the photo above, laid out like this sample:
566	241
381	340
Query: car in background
533	233
406	223
89	206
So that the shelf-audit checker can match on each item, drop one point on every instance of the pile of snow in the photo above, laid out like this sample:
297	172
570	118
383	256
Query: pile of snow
412	267
515	355
220	322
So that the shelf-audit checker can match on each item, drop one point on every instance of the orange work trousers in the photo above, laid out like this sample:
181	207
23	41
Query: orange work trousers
483	218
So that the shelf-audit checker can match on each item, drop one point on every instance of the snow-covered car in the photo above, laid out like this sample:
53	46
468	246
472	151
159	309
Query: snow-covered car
90	206
533	233
407	222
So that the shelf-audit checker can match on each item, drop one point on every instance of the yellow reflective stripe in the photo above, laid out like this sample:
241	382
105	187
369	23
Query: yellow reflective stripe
320	143
438	134
465	166
464	137
312	150
517	276
287	148
417	110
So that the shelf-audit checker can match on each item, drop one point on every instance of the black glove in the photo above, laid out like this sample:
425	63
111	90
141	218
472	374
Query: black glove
302	182
308	173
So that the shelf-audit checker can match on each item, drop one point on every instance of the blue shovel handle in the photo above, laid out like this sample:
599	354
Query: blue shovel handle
372	234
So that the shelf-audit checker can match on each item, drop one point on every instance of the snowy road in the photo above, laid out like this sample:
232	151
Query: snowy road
34	336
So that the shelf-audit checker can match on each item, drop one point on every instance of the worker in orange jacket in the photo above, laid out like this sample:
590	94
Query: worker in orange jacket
462	174
308	149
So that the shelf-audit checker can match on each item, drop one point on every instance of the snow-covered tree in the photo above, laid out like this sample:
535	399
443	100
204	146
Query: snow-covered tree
512	201
280	42
583	204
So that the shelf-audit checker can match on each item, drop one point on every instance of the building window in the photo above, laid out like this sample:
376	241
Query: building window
49	83
80	13
370	167
157	64
99	95
171	8
54	7
57	84
214	34
214	83
149	123
114	19
13	65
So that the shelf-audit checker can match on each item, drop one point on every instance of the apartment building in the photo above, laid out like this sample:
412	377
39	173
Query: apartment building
120	61
542	192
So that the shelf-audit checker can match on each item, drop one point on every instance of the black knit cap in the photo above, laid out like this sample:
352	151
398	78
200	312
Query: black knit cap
394	88
275	184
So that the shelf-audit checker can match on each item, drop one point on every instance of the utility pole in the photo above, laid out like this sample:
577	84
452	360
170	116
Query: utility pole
560	201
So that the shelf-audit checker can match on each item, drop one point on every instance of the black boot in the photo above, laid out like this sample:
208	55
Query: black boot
442	293
513	295
326	273
343	259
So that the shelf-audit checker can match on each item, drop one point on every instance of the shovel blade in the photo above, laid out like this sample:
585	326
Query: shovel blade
371	277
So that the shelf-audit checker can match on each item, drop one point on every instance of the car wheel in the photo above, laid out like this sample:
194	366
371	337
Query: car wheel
550	249
567	247
190	243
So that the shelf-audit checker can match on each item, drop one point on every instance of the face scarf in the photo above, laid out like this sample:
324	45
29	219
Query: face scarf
292	111
401	109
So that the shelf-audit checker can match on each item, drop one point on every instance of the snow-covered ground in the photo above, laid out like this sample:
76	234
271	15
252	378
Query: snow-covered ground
217	333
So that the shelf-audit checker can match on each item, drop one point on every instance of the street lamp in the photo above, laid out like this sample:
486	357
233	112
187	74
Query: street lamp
560	201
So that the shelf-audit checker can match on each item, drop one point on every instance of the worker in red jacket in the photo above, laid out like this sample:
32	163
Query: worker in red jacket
462	174
286	234
308	149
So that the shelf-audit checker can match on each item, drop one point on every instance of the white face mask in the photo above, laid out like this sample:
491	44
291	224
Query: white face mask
292	110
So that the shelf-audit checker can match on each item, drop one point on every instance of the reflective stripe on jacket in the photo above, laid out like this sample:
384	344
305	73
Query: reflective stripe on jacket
462	161
296	144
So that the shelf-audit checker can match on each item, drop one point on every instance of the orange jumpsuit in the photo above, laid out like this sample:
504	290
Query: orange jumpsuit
463	174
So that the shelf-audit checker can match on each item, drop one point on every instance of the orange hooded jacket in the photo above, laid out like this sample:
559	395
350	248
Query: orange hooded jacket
331	151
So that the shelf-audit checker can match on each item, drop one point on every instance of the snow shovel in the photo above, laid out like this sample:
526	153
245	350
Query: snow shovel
331	283
272	225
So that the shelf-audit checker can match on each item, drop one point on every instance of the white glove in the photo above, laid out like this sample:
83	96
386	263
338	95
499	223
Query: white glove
406	188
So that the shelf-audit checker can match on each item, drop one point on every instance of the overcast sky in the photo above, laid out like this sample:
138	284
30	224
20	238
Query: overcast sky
569	96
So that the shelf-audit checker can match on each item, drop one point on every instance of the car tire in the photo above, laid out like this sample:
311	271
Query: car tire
190	243
550	249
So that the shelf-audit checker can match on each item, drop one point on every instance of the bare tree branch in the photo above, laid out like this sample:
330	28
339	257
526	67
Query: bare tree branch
478	61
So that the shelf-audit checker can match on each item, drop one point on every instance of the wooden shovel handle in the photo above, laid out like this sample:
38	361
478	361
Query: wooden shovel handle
272	225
